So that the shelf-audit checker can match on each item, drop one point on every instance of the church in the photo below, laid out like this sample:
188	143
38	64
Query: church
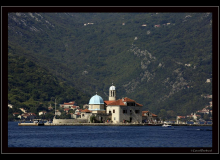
119	110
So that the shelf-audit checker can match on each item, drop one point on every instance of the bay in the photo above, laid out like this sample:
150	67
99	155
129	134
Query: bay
108	136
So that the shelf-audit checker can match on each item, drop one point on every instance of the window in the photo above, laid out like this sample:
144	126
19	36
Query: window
137	111
124	111
130	104
113	111
114	118
109	112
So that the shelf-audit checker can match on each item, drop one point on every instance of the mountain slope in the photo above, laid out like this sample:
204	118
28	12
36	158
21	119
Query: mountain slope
147	63
29	85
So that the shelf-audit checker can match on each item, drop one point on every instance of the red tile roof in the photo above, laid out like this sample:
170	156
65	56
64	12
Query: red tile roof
139	104
126	99
181	116
121	102
154	115
115	103
108	102
86	111
143	112
69	103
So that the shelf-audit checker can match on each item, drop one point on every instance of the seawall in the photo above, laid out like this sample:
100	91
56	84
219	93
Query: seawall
104	124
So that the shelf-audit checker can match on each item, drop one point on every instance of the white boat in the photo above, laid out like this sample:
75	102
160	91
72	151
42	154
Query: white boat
166	125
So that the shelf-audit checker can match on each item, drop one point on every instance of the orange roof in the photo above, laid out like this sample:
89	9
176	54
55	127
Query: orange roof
138	104
143	112
120	102
126	99
108	102
154	115
115	103
86	110
69	103
181	116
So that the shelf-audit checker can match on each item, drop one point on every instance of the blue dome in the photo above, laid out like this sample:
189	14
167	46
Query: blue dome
96	99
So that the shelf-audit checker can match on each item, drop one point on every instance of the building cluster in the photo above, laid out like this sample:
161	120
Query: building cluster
124	110
197	115
112	110
115	110
24	115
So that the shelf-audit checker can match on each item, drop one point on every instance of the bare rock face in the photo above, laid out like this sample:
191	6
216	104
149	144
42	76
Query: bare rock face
146	75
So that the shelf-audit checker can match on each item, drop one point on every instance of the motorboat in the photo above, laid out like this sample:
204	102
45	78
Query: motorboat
166	125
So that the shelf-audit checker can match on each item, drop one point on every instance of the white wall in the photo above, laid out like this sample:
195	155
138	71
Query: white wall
119	116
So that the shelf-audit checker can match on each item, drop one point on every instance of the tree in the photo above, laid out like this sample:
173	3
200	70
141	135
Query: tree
171	114
163	114
49	116
92	119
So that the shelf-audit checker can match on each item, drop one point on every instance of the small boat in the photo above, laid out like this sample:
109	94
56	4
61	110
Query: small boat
166	125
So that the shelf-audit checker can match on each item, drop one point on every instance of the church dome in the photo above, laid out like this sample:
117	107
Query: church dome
96	99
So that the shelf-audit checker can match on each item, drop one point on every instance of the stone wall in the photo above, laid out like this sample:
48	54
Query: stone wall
70	121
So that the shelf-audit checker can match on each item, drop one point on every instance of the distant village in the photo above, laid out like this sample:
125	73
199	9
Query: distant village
124	110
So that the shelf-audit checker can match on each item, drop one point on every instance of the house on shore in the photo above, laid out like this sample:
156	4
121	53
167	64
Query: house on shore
148	117
68	105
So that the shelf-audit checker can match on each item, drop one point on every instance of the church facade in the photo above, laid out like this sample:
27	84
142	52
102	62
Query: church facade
121	110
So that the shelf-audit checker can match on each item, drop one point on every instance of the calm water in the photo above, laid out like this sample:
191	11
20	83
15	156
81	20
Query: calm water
108	136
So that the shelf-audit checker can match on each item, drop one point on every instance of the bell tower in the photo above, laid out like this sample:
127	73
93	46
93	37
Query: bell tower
112	93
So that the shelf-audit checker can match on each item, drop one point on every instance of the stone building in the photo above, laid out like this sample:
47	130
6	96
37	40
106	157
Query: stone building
124	109
148	117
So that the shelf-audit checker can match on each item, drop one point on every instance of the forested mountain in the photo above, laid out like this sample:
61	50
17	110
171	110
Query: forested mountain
33	88
161	60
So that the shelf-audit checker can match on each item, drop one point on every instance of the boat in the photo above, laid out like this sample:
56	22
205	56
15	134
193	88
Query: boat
166	125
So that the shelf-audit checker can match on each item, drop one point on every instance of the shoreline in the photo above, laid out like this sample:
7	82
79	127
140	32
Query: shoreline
104	124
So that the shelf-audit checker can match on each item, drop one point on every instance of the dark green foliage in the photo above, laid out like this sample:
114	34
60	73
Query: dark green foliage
32	87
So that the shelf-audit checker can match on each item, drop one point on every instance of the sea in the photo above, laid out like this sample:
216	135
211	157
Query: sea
108	136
